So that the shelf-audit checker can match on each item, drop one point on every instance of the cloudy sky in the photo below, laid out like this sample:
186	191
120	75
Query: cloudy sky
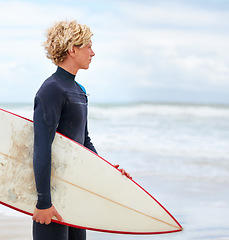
146	50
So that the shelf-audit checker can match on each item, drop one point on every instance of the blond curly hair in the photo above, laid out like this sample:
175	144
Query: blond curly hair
61	38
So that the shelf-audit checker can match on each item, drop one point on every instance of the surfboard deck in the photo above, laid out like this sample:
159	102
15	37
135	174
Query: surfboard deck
87	190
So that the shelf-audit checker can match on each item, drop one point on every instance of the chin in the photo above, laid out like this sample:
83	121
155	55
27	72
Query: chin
86	67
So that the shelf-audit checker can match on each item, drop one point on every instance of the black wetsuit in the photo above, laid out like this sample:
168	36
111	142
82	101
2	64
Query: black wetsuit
60	105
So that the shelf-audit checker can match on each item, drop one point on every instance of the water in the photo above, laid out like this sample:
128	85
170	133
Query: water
176	141
177	152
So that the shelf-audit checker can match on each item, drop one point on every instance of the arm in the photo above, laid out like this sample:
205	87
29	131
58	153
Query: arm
42	156
87	142
47	109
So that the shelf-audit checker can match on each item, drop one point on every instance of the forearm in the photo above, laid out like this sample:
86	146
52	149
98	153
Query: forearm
43	137
87	143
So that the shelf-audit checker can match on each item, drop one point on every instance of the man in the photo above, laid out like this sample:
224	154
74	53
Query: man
60	105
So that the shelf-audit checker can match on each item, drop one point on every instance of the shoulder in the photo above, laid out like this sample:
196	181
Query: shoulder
50	97
50	87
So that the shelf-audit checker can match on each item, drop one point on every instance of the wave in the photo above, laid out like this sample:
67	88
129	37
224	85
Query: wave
133	109
130	110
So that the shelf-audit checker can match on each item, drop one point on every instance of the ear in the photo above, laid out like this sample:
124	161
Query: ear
72	51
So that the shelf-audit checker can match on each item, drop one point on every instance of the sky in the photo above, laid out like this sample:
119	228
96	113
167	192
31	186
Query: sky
145	50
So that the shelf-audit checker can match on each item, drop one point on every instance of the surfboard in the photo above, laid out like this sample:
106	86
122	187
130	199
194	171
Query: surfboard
88	191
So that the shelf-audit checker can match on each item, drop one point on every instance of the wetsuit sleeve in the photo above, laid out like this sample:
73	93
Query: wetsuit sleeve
87	143
47	109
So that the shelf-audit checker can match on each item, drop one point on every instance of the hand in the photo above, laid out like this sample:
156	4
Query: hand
123	171
45	215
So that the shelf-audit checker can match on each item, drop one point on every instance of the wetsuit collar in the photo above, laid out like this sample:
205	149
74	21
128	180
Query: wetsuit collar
65	74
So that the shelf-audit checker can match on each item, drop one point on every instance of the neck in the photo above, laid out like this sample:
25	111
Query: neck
67	66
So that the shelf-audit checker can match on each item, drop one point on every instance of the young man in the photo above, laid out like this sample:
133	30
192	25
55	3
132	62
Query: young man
60	105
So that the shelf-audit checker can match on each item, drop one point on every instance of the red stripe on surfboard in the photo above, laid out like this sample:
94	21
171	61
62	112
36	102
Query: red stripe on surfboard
1	109
102	230
92	229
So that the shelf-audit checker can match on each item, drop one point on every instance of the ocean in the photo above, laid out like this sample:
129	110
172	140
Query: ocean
178	152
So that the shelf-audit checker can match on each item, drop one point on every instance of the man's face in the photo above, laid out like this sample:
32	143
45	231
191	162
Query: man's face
84	56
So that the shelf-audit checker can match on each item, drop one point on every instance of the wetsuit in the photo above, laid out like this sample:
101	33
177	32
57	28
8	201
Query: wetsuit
60	105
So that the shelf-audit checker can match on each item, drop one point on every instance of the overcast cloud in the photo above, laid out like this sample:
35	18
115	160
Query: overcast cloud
145	50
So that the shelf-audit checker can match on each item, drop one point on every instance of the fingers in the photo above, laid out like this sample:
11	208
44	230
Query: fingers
45	216
123	171
59	218
128	175
40	219
47	222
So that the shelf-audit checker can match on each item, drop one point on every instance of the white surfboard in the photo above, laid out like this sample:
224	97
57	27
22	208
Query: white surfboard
87	191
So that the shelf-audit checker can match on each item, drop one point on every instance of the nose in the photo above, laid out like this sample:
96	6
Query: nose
92	53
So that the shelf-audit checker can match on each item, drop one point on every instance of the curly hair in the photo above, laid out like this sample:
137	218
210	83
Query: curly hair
62	37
